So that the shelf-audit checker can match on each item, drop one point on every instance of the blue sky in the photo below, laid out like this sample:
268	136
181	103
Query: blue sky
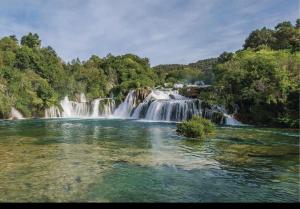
165	31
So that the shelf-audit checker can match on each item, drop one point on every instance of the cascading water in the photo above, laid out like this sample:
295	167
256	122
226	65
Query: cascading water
95	103
231	121
124	110
74	109
82	109
107	107
167	105
159	105
82	98
52	112
103	107
168	110
15	114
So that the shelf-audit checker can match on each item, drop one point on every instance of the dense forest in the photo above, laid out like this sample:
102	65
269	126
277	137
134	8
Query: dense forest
201	70
259	83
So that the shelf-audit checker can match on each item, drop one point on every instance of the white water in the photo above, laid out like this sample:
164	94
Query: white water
82	109
164	105
125	108
231	121
52	112
164	95
107	108
82	98
15	114
95	103
167	105
159	105
103	107
73	109
168	110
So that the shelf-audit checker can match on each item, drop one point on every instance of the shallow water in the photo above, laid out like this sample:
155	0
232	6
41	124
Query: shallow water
101	160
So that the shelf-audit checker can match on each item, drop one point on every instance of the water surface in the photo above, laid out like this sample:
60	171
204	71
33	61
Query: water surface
100	160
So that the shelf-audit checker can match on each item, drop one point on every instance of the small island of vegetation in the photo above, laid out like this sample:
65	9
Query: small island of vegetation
196	128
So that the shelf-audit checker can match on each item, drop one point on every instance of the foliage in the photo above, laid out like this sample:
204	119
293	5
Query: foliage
284	36
31	40
260	82
197	127
175	73
33	78
264	81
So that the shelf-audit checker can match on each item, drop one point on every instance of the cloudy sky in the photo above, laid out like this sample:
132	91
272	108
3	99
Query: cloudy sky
166	31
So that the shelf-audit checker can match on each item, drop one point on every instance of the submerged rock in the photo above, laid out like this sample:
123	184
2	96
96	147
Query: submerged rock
78	179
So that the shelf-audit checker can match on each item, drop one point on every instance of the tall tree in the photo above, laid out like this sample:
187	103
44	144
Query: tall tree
260	37
31	40
285	35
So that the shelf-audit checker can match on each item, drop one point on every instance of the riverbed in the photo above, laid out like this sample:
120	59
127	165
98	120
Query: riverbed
112	160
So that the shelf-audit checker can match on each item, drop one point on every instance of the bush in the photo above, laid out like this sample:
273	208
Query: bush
197	127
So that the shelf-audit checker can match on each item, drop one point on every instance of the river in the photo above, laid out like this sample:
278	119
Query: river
114	160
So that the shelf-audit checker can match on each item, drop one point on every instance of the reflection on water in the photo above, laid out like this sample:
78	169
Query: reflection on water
126	160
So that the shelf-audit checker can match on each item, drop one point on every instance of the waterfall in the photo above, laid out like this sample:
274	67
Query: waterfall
231	121
168	110
162	105
52	112
66	106
82	109
82	98
103	107
73	109
125	108
169	105
15	114
108	106
165	95
95	103
158	105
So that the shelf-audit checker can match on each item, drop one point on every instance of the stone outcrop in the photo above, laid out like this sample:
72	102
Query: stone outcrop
194	91
141	94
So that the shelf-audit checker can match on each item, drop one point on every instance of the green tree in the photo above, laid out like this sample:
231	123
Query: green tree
287	36
298	24
225	56
260	83
31	40
260	37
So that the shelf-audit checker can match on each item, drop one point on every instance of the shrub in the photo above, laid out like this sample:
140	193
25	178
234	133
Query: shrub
197	127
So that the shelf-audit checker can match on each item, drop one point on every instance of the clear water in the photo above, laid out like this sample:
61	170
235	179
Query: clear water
102	160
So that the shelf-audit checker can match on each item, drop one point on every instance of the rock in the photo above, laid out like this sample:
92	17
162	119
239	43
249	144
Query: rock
141	94
172	96
78	179
194	91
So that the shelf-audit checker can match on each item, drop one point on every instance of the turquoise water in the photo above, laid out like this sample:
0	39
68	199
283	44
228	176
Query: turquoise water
63	160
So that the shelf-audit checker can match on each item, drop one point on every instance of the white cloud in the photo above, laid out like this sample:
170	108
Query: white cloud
166	31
